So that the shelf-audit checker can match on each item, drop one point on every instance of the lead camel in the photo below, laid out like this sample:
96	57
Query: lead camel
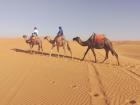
97	42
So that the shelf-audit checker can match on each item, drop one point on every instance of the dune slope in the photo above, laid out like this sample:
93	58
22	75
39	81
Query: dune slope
37	79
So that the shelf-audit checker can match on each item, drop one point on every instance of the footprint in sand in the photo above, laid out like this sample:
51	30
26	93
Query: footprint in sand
96	95
131	66
132	102
74	86
93	94
52	82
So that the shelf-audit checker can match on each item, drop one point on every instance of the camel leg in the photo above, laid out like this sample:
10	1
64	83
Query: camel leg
69	49
31	46
116	55
38	48
85	54
106	57
64	50
58	50
51	50
94	54
112	51
41	49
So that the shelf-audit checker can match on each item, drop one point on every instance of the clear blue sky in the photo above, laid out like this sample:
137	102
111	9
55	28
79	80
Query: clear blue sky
118	19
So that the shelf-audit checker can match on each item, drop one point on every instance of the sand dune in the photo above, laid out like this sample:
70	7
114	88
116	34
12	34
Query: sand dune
37	79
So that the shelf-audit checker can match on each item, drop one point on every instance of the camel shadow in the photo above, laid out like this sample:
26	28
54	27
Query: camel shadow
29	52
46	54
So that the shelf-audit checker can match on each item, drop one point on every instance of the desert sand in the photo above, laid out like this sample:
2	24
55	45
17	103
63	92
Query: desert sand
37	79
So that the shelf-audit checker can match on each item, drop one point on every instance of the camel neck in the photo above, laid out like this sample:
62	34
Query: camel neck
51	41
83	43
27	40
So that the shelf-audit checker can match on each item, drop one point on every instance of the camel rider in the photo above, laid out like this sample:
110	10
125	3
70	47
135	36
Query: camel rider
60	33
35	33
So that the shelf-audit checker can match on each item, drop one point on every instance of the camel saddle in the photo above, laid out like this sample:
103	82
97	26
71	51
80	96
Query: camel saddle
34	39
59	38
99	38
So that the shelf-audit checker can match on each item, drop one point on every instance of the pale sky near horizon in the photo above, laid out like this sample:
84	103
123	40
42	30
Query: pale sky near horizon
117	19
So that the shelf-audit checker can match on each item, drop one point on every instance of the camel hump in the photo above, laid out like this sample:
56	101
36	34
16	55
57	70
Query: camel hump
60	38
35	37
99	37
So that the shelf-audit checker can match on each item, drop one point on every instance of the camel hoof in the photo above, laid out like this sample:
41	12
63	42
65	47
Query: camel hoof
102	62
95	61
50	55
41	53
31	52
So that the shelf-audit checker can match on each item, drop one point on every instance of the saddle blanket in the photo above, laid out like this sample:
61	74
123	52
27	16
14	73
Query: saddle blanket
99	38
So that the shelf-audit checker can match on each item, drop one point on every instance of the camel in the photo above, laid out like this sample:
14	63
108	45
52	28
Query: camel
59	42
105	44
33	41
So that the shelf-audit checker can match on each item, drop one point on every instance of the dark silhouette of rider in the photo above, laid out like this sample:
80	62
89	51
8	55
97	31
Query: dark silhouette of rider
60	33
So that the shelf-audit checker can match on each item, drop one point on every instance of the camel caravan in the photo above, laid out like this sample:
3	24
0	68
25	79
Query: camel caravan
95	41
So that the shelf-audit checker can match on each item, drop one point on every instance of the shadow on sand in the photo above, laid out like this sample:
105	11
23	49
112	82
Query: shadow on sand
46	54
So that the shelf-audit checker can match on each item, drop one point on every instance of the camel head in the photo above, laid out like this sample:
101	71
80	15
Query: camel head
76	39
26	40
47	37
24	36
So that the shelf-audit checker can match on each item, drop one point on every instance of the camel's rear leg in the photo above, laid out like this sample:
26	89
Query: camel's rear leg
40	48
58	51
31	51
110	46
116	55
106	57
64	51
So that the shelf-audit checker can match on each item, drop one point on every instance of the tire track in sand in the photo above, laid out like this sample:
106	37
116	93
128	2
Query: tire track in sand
22	77
97	92
133	74
121	86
